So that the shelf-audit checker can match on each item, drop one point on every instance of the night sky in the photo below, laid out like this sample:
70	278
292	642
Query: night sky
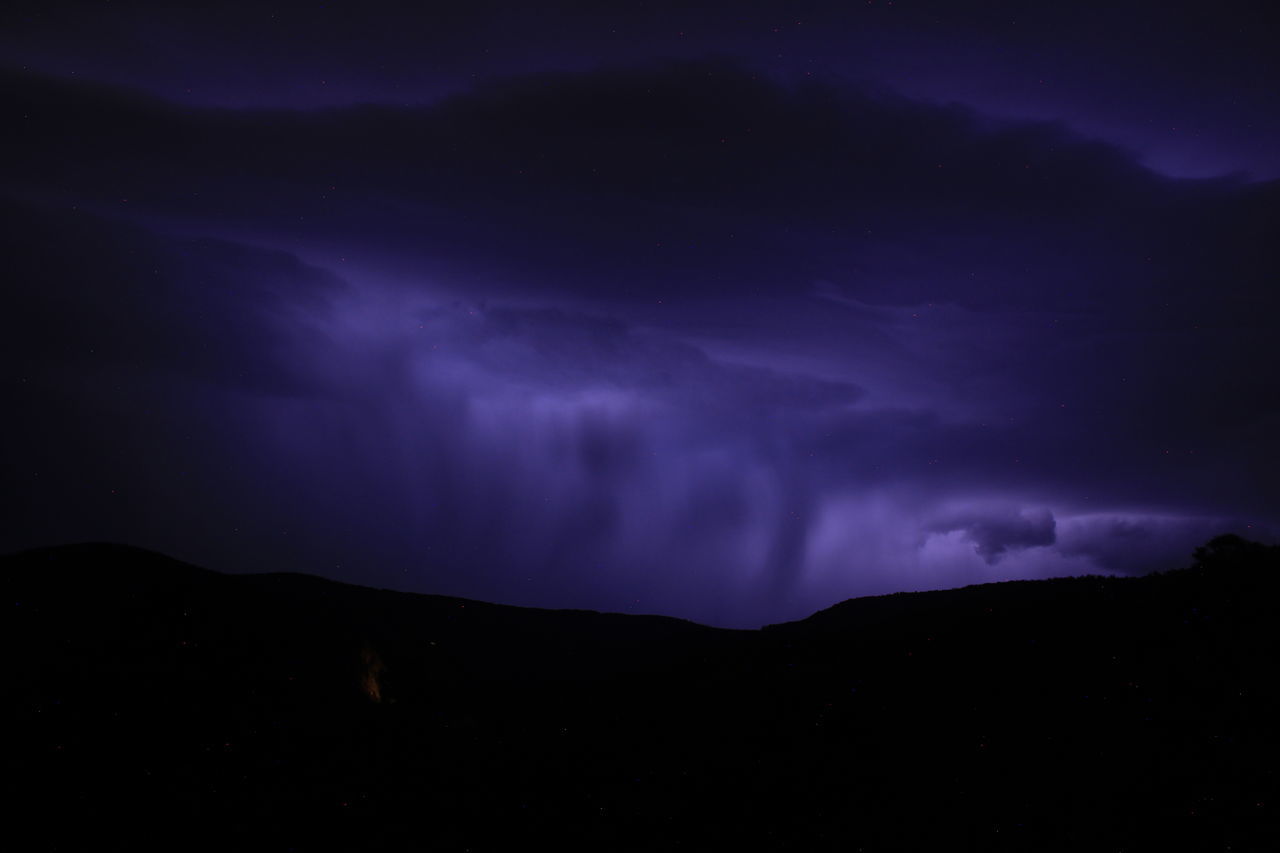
725	311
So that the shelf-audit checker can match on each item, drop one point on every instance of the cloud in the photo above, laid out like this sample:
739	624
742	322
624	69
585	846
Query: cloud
995	534
613	181
90	293
552	341
551	348
1135	543
500	452
395	54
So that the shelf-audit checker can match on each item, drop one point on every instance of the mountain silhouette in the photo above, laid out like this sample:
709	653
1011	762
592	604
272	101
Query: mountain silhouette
160	705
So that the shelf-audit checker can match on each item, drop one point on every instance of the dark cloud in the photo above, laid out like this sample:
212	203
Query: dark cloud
677	337
695	180
995	534
473	446
1188	85
612	182
1136	544
86	292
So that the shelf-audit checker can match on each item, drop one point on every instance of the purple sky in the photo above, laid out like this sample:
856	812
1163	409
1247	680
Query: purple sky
726	312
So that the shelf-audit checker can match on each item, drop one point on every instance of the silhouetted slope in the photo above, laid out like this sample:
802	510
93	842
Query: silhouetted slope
288	712
143	604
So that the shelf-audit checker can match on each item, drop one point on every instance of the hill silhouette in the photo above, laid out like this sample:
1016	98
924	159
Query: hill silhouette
160	705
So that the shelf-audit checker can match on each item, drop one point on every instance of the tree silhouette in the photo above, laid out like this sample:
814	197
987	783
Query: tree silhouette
1230	551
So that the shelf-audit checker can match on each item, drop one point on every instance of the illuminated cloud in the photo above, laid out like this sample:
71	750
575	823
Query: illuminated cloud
674	337
995	534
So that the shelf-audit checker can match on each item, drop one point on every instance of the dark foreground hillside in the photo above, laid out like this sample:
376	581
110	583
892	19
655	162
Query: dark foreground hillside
162	706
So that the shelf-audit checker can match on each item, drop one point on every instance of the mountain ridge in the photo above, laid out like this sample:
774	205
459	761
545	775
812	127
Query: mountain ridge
1088	713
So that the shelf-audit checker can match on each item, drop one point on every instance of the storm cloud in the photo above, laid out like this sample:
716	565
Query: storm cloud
996	534
675	337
